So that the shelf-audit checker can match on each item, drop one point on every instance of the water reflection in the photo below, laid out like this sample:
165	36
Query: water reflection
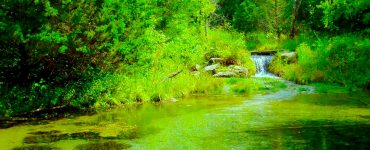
316	135
283	120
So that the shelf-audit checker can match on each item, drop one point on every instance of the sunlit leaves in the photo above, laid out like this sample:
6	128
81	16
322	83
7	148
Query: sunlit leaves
63	49
52	37
49	10
247	16
343	10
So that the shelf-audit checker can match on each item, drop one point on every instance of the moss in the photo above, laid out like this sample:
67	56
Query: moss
129	134
108	145
45	138
35	147
254	85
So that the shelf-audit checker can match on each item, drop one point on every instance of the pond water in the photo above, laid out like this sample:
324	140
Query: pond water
283	120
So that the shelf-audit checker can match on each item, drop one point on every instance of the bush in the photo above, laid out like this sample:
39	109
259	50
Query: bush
342	59
261	41
230	47
82	53
349	61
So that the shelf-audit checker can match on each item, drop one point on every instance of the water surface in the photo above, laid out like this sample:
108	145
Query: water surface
283	120
262	62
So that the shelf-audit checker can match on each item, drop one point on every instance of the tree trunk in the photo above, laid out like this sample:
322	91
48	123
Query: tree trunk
24	68
206	25
292	29
277	27
296	6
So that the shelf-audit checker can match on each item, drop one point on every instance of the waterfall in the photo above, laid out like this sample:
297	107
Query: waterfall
262	63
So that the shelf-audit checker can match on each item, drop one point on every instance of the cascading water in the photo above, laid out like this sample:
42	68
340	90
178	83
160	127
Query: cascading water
262	63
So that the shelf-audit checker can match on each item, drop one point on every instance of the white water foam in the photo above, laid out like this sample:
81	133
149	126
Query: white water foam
262	63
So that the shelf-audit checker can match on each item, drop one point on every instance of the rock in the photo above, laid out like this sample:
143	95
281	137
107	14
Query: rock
290	57
239	70
216	60
211	68
226	74
231	71
173	100
195	73
197	67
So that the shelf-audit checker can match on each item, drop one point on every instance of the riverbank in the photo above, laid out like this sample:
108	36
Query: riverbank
245	87
163	70
288	118
211	86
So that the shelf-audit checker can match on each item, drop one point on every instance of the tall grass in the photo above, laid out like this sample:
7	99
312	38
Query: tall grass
146	79
155	82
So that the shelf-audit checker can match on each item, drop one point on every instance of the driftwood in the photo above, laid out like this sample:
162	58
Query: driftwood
172	75
175	74
47	112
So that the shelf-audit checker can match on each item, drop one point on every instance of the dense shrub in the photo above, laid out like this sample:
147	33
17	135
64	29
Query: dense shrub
103	53
68	52
342	59
349	61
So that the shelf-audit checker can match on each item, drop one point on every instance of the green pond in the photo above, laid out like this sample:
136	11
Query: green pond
287	119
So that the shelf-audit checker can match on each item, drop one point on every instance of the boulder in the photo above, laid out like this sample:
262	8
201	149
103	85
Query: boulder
290	57
197	67
226	74
239	70
211	68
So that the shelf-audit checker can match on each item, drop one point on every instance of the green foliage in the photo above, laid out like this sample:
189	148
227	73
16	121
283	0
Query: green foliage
101	53
247	16
255	15
280	16
348	58
342	60
329	88
230	47
293	44
344	14
290	44
265	41
109	52
153	84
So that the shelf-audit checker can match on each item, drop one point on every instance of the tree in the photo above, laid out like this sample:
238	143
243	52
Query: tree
18	19
276	20
344	15
295	11
206	9
248	16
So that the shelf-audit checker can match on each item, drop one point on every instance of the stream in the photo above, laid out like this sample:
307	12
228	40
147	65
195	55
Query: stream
292	118
287	119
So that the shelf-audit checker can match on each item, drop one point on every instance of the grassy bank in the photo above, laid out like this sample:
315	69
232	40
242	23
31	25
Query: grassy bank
169	71
341	60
